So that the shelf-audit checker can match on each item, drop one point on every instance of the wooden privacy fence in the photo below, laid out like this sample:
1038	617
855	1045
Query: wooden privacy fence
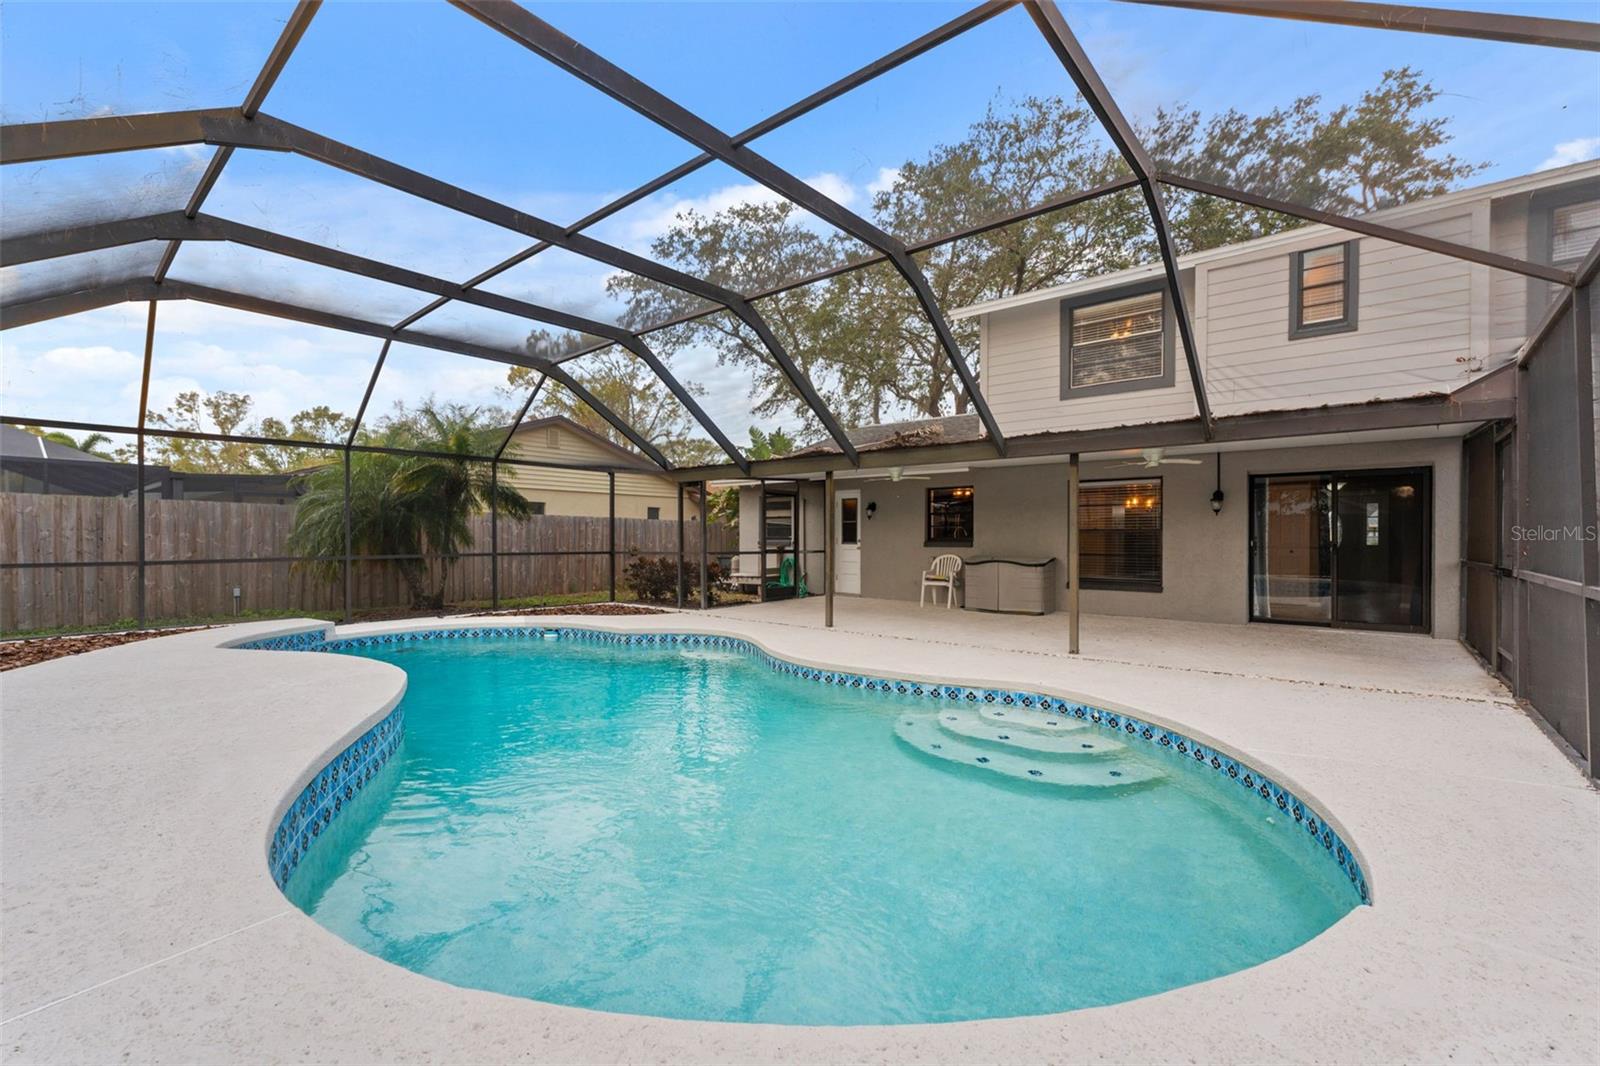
252	539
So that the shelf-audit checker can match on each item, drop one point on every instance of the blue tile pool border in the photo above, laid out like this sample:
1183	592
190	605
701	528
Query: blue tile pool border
322	800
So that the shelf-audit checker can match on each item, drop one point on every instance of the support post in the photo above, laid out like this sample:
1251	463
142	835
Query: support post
1588	508
139	599
680	546
1074	544
611	531
828	554
761	543
144	408
348	545
705	548
494	536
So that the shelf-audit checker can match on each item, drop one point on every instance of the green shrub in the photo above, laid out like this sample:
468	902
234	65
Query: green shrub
654	579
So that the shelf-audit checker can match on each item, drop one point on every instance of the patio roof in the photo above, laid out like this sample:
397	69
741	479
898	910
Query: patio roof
66	259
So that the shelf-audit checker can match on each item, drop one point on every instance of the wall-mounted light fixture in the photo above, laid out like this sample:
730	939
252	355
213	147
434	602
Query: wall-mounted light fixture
872	509
1216	497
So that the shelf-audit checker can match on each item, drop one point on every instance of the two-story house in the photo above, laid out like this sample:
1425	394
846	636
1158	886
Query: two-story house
1343	371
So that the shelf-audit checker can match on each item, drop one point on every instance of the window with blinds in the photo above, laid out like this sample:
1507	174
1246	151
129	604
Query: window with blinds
1117	341
1119	539
1574	230
1324	290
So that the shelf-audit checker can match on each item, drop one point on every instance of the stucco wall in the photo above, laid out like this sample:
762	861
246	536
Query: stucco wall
811	519
1205	564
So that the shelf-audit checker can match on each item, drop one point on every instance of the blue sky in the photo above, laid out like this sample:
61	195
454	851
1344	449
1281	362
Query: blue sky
427	86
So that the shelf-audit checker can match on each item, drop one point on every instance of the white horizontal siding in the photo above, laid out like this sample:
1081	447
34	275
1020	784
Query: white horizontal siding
1022	380
1413	335
1427	323
1508	292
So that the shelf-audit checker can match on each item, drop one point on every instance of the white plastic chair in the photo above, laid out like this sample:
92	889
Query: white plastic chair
941	575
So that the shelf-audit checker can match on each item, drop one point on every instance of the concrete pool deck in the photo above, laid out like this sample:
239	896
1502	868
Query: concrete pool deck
138	785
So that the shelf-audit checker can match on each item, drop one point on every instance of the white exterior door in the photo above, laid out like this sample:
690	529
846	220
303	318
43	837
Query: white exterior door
847	541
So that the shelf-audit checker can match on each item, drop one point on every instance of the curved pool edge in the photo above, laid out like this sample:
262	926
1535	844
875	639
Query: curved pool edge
319	788
164	787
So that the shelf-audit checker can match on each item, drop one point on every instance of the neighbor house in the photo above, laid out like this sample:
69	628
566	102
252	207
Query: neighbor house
1345	373
645	493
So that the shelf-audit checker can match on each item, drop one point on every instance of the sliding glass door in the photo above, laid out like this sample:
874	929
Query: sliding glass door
1348	548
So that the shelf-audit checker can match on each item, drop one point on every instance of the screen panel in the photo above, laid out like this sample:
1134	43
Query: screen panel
77	368
60	193
721	226
442	93
25	282
139	57
302	198
988	122
215	369
1350	119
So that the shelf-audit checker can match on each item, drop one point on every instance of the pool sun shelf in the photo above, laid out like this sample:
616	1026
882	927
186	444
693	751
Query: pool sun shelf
1025	748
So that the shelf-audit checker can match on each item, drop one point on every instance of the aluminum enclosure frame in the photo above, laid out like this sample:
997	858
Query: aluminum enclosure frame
249	127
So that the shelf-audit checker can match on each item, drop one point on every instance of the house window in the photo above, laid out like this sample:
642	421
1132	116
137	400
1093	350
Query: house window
849	520
1119	538
1116	340
652	513
536	507
1574	230
1322	290
950	516
552	437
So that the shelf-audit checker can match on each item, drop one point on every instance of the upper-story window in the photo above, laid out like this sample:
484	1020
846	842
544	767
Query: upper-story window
1574	229
1322	290
1115	341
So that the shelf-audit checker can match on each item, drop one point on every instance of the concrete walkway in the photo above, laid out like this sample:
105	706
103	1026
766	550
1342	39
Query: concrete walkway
138	784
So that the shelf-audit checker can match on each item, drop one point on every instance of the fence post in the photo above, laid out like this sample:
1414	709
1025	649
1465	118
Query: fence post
705	540
611	531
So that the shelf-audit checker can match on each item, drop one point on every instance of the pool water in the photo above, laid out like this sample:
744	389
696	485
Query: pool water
689	834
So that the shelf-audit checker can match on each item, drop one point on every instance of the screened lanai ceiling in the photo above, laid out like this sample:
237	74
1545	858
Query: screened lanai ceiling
765	212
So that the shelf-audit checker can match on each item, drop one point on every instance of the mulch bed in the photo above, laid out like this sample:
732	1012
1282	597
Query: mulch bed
577	608
17	653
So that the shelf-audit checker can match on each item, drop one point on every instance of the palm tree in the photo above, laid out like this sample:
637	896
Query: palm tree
90	443
408	506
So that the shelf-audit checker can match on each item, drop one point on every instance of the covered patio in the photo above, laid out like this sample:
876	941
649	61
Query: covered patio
1402	664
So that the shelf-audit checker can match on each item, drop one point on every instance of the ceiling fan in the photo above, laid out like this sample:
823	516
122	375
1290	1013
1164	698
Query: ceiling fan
897	473
1152	459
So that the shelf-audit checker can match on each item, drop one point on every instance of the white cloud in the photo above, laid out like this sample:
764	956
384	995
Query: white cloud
1577	150
888	178
93	361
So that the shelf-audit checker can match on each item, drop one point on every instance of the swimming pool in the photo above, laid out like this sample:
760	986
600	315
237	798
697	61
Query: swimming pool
675	828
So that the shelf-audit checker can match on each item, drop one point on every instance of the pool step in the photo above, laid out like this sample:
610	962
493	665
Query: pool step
1075	742
924	733
1030	720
